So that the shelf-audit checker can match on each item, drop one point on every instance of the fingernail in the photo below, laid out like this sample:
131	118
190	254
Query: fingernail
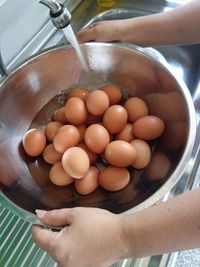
40	213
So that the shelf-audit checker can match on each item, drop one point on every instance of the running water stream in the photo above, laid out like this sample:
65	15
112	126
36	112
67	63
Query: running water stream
89	77
69	34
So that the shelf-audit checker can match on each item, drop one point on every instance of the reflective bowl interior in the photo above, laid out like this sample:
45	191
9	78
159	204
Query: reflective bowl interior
29	96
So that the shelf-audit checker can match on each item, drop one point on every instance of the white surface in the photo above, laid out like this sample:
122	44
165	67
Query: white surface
2	2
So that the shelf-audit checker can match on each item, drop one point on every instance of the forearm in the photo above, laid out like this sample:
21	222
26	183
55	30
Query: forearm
170	226
177	26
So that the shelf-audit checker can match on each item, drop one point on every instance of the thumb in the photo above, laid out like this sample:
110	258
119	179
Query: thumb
59	217
44	238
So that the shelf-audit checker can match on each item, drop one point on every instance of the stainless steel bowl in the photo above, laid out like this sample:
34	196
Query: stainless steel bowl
33	91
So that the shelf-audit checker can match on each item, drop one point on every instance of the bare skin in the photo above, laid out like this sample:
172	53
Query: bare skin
94	237
177	26
91	237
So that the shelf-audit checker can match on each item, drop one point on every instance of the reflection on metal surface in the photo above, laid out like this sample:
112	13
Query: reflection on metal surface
137	74
159	166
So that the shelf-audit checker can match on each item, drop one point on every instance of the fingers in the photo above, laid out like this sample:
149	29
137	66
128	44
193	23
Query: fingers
104	31
61	217
44	238
87	34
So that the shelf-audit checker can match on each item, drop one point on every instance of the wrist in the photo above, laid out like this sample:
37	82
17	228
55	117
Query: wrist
135	31
124	235
132	230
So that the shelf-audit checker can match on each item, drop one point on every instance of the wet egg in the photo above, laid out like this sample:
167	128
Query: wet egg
51	129
120	153
113	92
136	108
115	118
58	176
79	92
50	155
143	153
92	156
59	115
148	128
126	134
34	142
75	162
75	111
97	102
114	179
88	183
66	137
96	138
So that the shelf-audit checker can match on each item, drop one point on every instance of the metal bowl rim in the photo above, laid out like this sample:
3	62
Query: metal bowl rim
155	56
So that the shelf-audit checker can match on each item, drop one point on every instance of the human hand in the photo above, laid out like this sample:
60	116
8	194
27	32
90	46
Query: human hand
104	31
91	237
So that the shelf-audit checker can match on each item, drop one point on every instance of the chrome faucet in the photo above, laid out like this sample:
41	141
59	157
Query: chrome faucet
3	70
59	14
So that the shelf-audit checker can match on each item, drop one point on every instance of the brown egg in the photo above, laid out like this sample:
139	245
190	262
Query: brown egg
136	108
148	127
81	128
96	138
113	178
50	155
114	94
75	111
34	142
92	156
58	176
79	92
59	115
158	167
143	153
75	162
120	153
51	129
115	119
88	183
66	137
97	102
126	134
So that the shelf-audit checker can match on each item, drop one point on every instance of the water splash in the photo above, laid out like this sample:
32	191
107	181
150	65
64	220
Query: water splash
89	77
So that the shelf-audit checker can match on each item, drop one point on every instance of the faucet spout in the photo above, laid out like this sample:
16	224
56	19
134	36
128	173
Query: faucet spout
54	6
59	14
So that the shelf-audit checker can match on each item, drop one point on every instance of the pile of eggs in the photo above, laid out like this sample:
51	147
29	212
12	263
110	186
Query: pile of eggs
92	126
